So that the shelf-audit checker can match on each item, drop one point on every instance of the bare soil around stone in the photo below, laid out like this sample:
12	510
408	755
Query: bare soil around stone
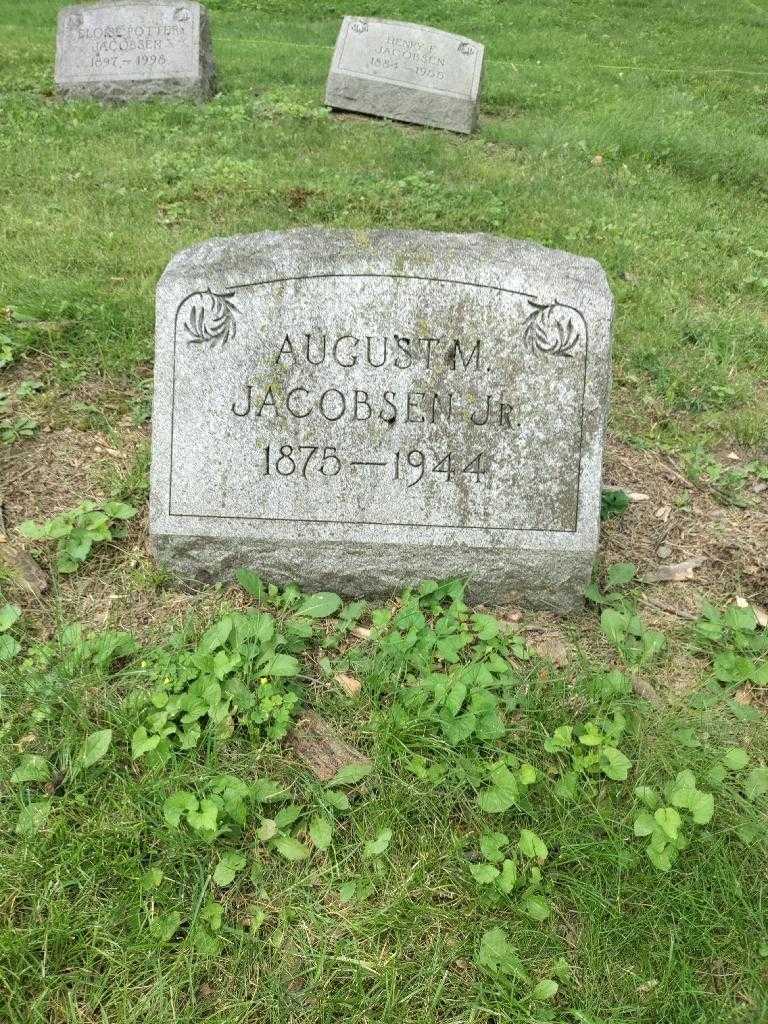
669	521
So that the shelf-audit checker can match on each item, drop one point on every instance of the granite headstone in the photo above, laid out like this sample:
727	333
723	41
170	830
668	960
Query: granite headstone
359	410
134	49
406	72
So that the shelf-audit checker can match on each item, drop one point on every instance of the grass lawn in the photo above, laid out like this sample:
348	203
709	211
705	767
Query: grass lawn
553	819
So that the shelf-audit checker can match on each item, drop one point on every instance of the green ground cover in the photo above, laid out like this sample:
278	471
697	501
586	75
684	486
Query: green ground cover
534	841
529	844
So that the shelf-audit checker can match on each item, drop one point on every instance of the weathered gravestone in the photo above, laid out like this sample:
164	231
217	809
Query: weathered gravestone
134	49
406	72
357	411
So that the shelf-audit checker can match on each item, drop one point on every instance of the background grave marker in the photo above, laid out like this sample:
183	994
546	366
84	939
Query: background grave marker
134	49
406	72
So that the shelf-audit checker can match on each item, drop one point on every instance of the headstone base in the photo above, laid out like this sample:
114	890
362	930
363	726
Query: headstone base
137	91
400	103
536	578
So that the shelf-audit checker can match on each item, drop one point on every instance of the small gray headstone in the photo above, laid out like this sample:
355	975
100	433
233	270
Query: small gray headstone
406	72
134	49
357	411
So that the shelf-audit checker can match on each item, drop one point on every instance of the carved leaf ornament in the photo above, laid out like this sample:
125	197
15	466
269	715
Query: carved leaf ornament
554	329
209	318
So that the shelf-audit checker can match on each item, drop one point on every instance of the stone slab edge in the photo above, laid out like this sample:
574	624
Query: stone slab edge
401	102
548	571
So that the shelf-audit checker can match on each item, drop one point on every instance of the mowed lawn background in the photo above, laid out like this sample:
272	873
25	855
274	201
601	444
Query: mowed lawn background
634	133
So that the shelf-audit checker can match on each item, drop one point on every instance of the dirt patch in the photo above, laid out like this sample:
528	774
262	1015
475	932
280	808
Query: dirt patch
678	522
324	752
58	469
71	458
680	675
122	589
120	586
299	197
